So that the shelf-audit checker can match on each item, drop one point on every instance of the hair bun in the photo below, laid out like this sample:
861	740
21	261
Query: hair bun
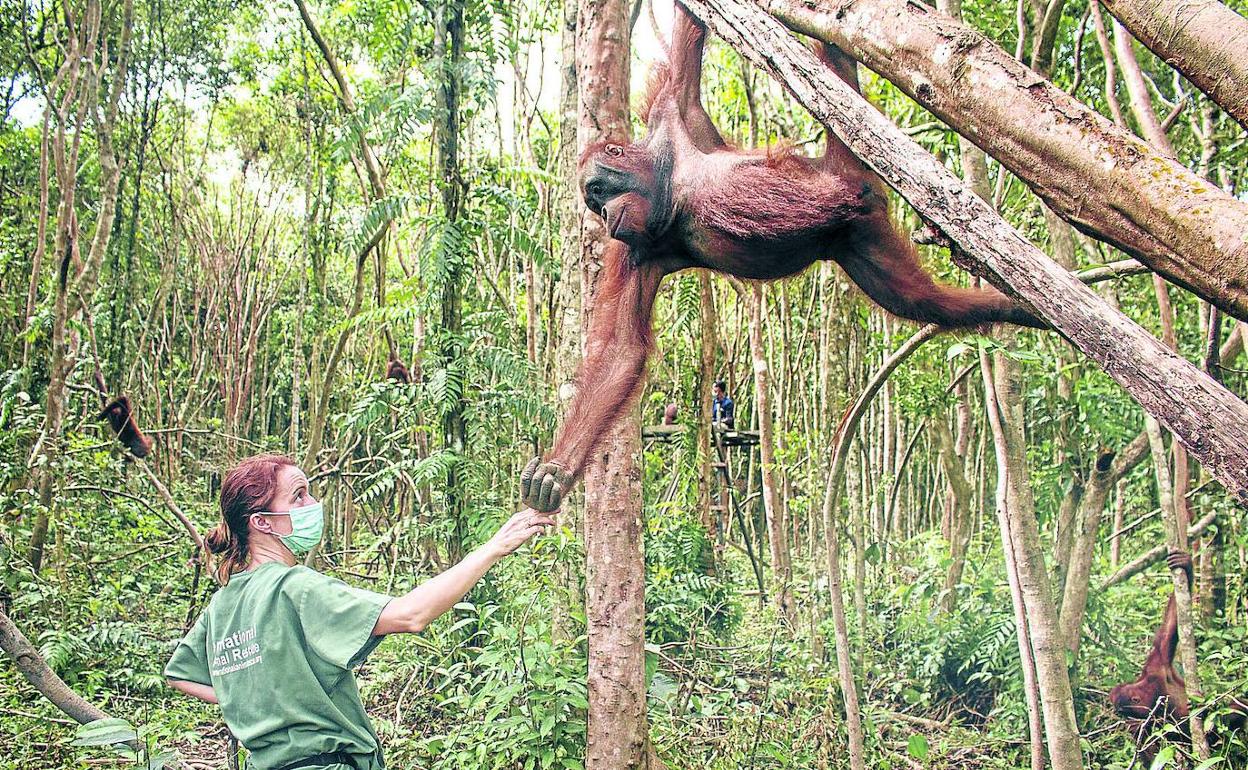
218	539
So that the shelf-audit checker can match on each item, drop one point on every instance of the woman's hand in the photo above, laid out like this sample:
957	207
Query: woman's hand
416	609
520	529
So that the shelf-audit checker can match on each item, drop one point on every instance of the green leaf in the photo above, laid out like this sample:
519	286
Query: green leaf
1163	758
918	746
103	732
652	662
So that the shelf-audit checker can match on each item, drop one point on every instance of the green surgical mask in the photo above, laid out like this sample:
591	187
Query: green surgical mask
306	523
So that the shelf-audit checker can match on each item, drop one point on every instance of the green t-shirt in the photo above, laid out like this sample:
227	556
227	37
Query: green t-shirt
277	645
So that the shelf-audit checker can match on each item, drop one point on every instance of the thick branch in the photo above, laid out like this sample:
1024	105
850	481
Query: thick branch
1203	39
1207	418
31	665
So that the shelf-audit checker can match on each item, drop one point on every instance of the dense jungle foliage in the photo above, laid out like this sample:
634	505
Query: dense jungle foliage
238	303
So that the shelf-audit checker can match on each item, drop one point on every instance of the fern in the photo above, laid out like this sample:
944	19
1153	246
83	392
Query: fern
62	650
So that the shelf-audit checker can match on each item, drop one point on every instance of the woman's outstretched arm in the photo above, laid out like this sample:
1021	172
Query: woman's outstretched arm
415	610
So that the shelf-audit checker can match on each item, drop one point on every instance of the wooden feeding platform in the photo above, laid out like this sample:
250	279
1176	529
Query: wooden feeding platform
669	433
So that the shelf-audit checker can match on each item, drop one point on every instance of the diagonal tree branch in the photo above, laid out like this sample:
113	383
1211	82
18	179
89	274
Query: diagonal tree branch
1207	418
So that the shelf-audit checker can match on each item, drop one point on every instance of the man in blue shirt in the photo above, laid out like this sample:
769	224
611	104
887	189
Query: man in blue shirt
722	408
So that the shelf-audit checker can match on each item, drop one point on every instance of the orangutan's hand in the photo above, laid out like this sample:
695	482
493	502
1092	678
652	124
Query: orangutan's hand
1180	560
543	485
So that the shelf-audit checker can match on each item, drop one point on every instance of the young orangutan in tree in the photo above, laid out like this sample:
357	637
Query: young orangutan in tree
398	372
121	418
1159	696
682	198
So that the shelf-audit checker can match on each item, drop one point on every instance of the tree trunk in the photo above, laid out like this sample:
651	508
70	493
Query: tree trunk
565	321
81	77
712	520
1203	39
617	736
448	48
1211	421
1120	510
777	527
1027	658
1100	178
1021	537
374	191
841	442
960	515
844	661
1107	471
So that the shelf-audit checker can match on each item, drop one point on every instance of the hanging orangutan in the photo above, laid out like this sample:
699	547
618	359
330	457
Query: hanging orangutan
683	198
1159	696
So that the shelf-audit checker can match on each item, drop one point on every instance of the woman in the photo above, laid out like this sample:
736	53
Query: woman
276	645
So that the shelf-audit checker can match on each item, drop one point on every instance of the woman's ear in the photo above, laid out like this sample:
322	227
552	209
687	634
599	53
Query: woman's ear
260	523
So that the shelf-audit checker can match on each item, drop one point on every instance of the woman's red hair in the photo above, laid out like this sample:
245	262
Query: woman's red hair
247	489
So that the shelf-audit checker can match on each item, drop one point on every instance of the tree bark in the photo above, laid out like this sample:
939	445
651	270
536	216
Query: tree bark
1027	658
617	736
1100	178
777	527
1105	475
1021	536
1203	39
1211	421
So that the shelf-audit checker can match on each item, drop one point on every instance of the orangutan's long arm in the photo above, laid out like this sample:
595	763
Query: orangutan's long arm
688	41
609	380
1167	639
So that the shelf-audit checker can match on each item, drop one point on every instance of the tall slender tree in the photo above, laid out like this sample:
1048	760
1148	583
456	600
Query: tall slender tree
618	733
448	49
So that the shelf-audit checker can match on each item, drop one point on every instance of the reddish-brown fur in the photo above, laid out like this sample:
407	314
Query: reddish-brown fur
1159	696
121	417
683	198
398	372
670	413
